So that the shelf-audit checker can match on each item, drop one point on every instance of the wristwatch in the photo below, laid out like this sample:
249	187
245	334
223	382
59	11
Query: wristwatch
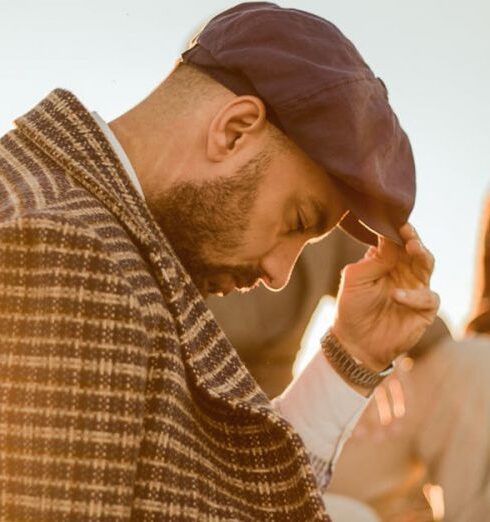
349	368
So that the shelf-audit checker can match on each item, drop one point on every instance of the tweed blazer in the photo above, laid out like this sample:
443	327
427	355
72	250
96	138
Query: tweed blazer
120	397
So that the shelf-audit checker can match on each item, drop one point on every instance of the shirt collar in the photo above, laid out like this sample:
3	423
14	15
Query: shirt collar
117	147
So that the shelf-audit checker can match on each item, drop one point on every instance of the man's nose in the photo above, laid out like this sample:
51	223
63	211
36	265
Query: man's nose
278	263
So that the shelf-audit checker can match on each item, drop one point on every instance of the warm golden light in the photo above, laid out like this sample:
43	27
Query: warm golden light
405	364
435	497
320	321
383	405
397	397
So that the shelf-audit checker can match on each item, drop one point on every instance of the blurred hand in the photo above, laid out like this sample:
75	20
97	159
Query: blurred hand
385	302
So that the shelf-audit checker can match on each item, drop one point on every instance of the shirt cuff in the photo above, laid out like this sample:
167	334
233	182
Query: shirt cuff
322	408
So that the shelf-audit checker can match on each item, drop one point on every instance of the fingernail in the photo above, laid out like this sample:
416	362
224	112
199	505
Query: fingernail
400	294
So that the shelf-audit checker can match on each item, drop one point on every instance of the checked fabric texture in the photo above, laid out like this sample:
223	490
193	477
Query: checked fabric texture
120	398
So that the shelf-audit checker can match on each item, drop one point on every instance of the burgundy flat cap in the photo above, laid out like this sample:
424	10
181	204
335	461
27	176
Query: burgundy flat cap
319	91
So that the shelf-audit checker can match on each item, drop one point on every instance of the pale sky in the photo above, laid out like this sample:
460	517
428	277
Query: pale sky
434	57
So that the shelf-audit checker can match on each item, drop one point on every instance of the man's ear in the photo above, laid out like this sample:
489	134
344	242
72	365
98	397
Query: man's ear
237	123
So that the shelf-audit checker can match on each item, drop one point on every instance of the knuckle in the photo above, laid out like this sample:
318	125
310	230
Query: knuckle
437	299
432	260
347	270
432	301
429	316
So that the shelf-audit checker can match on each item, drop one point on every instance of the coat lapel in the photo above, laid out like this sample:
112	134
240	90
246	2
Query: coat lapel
80	147
62	128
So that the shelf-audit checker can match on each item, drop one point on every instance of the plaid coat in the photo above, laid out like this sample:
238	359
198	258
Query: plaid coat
120	398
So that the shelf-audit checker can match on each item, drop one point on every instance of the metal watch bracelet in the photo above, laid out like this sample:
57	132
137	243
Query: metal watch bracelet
347	367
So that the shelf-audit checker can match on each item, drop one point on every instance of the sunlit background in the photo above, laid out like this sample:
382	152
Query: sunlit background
433	55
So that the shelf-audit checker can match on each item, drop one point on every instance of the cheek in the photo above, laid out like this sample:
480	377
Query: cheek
258	240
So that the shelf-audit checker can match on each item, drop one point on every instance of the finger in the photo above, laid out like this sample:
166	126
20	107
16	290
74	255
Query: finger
371	252
422	259
408	231
388	251
417	299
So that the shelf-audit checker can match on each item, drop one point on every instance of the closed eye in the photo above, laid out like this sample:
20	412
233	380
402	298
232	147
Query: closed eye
300	226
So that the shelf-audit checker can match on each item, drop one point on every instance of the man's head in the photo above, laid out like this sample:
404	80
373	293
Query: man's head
236	198
271	131
318	89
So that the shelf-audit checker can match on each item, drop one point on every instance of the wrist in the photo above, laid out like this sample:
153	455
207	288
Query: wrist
357	374
359	354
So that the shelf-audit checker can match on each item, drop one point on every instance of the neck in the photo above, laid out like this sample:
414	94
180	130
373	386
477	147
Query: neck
153	148
163	136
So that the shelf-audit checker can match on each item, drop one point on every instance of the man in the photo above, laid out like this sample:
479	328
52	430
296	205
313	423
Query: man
121	399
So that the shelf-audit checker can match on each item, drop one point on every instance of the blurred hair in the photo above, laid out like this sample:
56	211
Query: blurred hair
480	319
189	86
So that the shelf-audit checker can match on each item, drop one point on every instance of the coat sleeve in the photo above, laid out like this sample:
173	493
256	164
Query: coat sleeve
72	376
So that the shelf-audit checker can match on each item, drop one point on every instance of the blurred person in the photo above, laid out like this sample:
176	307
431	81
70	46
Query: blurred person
120	397
480	318
428	429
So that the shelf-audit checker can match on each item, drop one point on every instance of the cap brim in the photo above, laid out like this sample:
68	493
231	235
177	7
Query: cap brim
368	218
366	234
354	228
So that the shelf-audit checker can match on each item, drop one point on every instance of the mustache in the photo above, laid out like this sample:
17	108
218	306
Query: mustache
245	276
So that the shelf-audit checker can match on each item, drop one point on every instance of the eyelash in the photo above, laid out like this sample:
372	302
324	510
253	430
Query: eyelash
300	224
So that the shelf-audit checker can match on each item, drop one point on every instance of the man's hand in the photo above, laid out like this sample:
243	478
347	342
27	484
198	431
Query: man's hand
385	302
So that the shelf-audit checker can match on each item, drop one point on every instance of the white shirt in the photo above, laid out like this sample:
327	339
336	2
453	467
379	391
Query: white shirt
319	404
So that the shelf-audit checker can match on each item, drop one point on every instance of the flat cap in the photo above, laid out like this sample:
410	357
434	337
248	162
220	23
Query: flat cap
319	91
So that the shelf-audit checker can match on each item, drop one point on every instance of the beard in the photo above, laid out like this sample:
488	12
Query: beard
212	216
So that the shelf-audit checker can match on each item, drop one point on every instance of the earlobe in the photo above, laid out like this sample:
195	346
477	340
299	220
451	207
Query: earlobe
236	124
